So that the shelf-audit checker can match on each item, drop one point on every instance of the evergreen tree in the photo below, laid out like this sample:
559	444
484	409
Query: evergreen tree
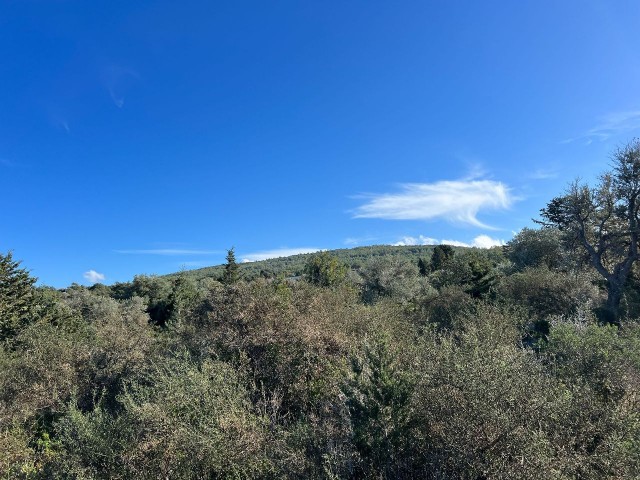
231	274
442	255
16	293
423	267
378	400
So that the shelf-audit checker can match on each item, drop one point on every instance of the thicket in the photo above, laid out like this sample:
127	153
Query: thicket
509	363
490	364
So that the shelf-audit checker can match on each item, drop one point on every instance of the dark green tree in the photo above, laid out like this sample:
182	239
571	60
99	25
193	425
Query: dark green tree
423	267
604	222
183	299
16	296
378	399
231	273
441	256
157	292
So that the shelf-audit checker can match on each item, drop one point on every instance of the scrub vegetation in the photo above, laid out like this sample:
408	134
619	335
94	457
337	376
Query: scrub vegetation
516	362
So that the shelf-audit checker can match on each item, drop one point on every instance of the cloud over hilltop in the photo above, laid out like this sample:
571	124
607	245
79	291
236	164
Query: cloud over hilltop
456	201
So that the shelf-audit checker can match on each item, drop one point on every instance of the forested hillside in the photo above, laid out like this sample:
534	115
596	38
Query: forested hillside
519	362
293	266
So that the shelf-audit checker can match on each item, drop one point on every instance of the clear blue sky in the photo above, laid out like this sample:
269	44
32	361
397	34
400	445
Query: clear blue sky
143	137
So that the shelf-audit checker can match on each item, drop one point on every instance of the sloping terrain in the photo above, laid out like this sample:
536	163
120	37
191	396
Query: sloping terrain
294	265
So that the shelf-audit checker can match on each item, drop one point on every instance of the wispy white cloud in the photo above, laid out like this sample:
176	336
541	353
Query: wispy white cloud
476	170
281	252
457	201
93	276
610	125
481	241
169	251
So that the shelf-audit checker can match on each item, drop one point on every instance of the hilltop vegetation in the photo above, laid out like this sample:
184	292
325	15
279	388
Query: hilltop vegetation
382	362
294	265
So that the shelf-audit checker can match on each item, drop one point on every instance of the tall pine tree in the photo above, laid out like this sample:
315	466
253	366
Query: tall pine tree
231	270
16	296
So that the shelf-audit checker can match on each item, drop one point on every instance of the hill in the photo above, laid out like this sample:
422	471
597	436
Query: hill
293	265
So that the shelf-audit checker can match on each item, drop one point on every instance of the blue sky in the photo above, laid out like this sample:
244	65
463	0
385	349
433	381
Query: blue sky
146	137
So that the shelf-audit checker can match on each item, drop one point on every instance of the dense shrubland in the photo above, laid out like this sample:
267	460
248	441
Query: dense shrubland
475	364
511	363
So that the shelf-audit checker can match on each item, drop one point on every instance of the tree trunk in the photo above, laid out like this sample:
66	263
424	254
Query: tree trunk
612	307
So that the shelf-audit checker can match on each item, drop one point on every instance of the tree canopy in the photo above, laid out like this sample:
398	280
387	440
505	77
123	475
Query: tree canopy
16	296
326	270
603	221
441	256
231	270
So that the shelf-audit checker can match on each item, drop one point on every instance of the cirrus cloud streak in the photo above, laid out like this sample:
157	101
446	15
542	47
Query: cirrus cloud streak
612	124
456	201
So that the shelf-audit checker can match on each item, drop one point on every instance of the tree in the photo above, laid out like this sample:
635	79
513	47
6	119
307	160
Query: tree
604	222
16	292
325	270
157	291
378	398
183	299
441	256
535	248
392	277
423	267
231	274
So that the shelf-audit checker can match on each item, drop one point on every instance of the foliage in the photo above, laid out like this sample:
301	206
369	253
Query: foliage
157	292
485	407
543	292
178	420
231	271
294	265
423	267
16	297
378	399
185	297
411	376
604	222
443	308
531	248
441	256
389	277
474	271
601	356
325	270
